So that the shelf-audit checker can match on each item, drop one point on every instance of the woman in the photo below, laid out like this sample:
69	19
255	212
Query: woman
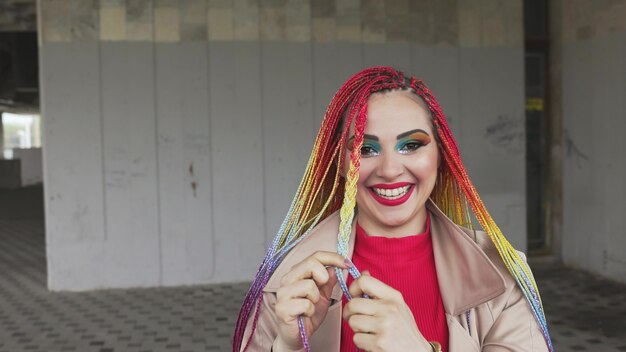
385	154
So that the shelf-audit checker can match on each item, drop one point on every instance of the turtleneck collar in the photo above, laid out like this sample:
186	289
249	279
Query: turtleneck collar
393	249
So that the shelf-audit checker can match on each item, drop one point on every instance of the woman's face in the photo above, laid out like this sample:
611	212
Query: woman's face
399	161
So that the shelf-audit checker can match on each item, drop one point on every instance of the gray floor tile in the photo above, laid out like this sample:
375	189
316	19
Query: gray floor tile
585	313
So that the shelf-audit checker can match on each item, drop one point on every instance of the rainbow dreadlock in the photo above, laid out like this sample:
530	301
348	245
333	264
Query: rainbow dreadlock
322	192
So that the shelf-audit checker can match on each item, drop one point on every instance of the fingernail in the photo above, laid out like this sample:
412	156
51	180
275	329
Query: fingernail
348	263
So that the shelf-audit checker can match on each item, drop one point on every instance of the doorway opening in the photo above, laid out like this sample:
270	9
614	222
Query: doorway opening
536	59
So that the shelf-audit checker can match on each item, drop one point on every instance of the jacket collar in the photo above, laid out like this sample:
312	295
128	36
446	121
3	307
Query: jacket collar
466	276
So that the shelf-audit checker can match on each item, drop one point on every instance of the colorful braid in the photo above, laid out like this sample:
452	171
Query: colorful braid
469	195
322	191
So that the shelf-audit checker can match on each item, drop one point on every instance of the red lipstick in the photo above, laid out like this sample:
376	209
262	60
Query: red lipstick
391	202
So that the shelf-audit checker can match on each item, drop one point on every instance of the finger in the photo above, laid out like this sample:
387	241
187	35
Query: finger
327	289
363	323
306	270
300	289
374	288
290	310
366	342
362	306
314	267
330	259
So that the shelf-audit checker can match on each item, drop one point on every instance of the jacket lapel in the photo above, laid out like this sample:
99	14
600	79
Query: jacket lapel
458	338
466	276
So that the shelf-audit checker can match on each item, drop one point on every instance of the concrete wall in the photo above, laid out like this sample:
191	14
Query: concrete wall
592	41
1	137
30	165
176	132
10	175
24	169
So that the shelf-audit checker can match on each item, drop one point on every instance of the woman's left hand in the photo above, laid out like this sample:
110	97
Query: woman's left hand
382	322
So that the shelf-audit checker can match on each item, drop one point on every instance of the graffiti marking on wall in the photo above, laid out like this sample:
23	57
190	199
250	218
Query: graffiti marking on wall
506	135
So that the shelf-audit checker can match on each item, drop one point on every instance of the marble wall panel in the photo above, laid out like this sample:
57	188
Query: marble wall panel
18	15
425	22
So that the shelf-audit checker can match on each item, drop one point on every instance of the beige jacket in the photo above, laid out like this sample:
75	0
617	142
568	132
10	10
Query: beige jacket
472	277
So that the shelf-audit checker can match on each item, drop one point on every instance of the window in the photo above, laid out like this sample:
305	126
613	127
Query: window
20	131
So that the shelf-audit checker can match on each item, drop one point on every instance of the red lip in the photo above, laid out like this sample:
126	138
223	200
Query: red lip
392	202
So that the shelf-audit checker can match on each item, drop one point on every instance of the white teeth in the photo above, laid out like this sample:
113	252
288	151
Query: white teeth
392	193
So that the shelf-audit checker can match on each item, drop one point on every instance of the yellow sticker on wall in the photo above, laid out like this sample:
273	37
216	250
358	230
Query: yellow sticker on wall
534	104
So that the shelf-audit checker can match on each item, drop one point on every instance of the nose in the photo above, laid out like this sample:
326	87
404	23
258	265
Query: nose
390	166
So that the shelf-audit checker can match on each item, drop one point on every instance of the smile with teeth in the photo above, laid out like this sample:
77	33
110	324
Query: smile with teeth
392	194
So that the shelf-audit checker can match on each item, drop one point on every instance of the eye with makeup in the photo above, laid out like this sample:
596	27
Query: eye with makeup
411	141
408	142
370	147
406	147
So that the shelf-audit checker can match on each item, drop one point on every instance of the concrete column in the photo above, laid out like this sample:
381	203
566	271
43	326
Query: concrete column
554	197
1	137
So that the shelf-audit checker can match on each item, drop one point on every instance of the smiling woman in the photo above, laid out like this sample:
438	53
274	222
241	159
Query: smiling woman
386	192
398	165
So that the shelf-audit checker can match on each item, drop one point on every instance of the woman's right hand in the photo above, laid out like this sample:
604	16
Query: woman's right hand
305	290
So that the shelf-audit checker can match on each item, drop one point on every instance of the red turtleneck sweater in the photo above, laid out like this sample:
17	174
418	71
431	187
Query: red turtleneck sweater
408	265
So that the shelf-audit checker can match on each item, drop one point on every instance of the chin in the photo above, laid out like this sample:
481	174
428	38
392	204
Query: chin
396	218
395	221
389	216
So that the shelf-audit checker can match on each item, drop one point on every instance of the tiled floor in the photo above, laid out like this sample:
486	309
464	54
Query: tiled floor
585	313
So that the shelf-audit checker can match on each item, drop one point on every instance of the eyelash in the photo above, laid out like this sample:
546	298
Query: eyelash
415	145
368	150
373	151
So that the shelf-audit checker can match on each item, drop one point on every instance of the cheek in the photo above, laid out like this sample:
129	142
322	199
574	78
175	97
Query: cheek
424	167
366	169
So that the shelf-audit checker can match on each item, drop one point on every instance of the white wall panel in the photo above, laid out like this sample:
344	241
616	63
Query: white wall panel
333	64
130	159
594	85
73	171
578	206
439	68
237	158
609	73
492	139
288	125
617	160
396	55
184	172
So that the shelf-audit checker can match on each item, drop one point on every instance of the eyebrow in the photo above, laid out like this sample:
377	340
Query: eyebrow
400	136
365	136
408	133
